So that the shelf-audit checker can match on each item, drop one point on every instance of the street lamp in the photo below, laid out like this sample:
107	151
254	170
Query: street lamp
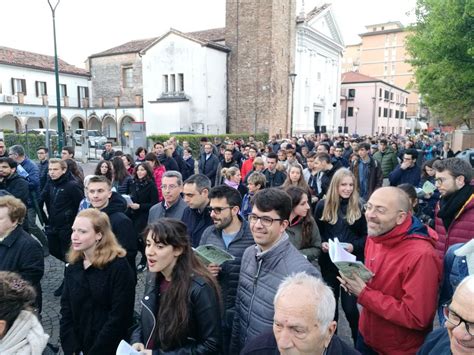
356	111
292	79
56	73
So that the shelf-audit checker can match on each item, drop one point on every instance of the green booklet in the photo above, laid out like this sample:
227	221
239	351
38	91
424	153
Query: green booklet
428	187
347	268
212	254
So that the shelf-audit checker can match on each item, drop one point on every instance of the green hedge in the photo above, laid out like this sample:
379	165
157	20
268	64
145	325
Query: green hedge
31	143
194	139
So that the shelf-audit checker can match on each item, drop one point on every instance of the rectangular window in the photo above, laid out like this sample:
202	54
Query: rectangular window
82	93
386	95
391	96
380	111
62	90
165	83
385	112
181	82
352	93
402	114
380	92
397	113
390	113
127	77
172	83
350	111
18	86
41	88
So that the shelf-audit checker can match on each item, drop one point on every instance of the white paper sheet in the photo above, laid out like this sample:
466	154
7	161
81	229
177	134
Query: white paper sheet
125	348
338	253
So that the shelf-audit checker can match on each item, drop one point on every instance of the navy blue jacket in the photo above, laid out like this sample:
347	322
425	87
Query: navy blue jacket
437	342
408	176
266	344
33	179
209	167
196	222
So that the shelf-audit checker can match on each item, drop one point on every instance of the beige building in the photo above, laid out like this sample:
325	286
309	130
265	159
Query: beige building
382	55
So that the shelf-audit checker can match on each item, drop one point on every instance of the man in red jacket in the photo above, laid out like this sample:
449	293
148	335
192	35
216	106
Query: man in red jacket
399	301
454	220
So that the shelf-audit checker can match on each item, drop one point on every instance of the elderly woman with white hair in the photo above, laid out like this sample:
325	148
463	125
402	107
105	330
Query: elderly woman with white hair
303	321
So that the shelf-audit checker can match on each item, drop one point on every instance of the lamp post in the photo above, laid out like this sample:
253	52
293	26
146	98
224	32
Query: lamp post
56	73
292	79
356	111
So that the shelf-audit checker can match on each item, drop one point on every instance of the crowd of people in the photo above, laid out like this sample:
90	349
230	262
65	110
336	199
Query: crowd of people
403	206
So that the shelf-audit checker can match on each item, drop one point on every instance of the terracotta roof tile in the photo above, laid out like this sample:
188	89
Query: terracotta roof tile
21	58
129	47
211	35
355	77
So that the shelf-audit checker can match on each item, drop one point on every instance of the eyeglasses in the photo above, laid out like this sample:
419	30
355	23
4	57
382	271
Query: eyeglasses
168	187
455	320
377	209
264	220
218	210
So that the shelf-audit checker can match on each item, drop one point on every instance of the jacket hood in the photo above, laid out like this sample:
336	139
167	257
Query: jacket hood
411	228
116	204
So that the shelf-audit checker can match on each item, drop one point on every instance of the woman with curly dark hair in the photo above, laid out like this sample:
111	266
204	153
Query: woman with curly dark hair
104	167
303	230
181	311
122	179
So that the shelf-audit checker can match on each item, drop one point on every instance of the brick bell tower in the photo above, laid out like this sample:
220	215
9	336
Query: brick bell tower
261	36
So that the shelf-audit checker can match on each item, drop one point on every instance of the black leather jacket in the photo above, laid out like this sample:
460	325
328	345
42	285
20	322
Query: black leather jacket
204	330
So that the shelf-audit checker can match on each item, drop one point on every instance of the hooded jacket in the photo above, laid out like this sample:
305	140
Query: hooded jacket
399	302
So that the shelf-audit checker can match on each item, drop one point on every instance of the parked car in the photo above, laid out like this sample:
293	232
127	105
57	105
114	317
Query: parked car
467	155
95	137
42	131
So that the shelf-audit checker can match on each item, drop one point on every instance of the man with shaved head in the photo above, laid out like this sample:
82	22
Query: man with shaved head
400	300
458	333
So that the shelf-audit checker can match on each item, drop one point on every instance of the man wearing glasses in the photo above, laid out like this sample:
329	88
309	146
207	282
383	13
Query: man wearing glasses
458	333
173	205
231	233
264	266
400	300
454	215
407	172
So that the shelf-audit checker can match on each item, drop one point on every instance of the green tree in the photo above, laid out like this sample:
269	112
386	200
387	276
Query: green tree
442	48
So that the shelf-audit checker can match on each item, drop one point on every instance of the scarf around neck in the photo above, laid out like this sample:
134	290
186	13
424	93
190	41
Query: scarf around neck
452	204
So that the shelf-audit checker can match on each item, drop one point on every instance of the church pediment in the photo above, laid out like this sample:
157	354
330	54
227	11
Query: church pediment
321	19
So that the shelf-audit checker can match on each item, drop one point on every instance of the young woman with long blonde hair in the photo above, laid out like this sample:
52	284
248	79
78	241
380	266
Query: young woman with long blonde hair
99	288
339	215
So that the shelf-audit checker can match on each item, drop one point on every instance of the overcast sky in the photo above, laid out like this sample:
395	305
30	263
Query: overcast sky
85	27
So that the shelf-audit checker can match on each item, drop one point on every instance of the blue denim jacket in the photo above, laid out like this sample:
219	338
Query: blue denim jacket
455	270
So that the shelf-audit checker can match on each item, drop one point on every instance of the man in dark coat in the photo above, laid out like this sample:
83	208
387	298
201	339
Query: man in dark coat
169	163
43	165
197	215
367	171
231	233
208	163
407	172
101	197
62	198
273	176
11	181
19	252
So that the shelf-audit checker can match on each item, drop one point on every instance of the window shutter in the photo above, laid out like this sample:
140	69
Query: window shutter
23	86
37	88
13	86
87	92
46	88
78	96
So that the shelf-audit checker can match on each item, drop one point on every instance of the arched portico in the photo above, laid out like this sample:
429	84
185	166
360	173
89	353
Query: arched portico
94	123
124	121
109	127
77	122
35	122
10	122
